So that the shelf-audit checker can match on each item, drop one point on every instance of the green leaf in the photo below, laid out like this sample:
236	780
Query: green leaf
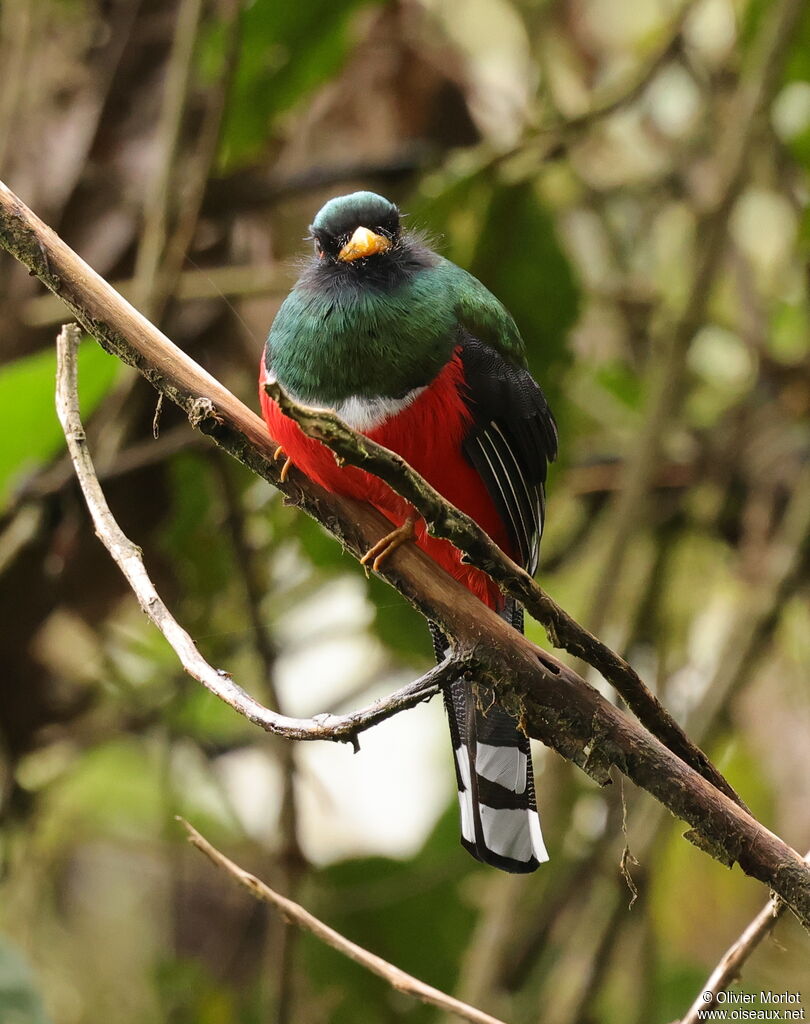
20	1002
194	527
413	913
287	50
789	337
190	993
114	789
30	430
400	627
677	983
505	235
620	382
798	65
519	258
321	548
205	719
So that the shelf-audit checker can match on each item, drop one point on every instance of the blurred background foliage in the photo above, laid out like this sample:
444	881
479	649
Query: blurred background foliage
573	154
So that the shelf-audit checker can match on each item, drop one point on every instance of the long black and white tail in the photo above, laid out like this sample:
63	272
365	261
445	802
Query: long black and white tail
499	822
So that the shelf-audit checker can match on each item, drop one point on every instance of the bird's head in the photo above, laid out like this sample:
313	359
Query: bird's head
357	227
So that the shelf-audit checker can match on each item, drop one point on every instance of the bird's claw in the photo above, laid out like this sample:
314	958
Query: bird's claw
388	544
285	469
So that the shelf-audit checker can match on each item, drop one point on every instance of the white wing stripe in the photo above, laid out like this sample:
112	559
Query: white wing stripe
497	479
533	552
527	544
532	504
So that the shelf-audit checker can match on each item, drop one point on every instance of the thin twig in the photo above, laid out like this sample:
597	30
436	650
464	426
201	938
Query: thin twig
735	957
129	559
444	520
139	455
295	914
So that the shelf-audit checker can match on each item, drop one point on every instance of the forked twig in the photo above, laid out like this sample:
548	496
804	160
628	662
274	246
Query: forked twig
129	558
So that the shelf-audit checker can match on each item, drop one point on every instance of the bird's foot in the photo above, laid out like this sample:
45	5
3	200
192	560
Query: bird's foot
388	544
285	469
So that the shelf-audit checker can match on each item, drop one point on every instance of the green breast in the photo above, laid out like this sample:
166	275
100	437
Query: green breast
329	343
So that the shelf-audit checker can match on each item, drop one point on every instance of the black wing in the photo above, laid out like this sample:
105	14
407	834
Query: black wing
512	441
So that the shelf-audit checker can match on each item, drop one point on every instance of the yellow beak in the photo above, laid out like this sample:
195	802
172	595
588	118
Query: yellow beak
363	243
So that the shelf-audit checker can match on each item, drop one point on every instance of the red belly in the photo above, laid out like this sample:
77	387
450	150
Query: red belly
428	435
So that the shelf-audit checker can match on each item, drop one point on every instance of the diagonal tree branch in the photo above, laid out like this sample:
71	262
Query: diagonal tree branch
295	914
444	520
554	704
747	642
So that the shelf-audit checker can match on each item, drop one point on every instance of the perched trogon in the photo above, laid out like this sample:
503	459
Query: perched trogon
416	353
